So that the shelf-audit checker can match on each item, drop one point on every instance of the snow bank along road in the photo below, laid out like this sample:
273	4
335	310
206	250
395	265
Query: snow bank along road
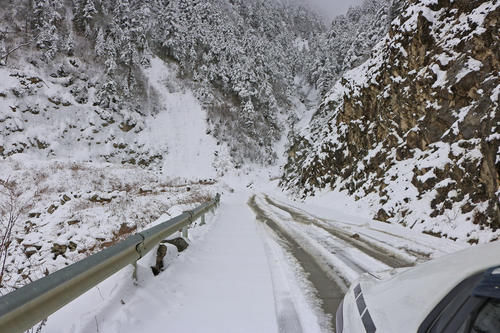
261	264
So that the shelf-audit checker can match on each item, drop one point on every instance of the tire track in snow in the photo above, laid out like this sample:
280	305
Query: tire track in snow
286	311
369	248
337	257
329	290
409	255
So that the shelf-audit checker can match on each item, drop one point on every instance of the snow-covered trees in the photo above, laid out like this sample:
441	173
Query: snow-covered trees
100	43
124	34
106	94
348	42
84	11
241	54
46	20
240	57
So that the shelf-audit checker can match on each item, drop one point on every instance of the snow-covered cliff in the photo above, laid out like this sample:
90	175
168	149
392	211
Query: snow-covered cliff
414	130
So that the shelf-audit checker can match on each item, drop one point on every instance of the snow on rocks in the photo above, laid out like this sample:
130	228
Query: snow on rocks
75	209
404	129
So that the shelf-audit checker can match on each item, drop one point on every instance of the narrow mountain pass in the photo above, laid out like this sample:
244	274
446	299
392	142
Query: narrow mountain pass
260	264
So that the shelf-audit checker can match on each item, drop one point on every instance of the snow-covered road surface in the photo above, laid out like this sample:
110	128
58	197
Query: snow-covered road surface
326	287
261	264
221	283
333	254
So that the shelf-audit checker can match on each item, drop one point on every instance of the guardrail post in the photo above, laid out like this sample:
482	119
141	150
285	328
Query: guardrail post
139	248
134	273
185	232
202	220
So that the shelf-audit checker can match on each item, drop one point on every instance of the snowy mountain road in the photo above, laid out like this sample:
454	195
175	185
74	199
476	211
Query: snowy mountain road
260	264
353	240
328	290
332	253
329	256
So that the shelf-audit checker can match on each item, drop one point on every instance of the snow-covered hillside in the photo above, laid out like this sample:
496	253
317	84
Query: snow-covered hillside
109	109
82	177
181	125
116	115
348	41
414	130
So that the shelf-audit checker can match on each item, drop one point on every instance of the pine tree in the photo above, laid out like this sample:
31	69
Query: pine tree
107	92
127	54
70	44
88	14
100	45
3	52
248	115
46	19
84	12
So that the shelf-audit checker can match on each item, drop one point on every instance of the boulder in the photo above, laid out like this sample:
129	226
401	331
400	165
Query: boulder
180	243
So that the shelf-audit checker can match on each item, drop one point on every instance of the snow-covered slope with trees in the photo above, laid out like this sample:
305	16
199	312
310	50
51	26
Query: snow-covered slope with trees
414	130
348	41
239	60
115	112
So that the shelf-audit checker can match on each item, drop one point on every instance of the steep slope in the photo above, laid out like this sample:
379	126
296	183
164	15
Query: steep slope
181	126
414	130
348	41
88	57
113	112
242	57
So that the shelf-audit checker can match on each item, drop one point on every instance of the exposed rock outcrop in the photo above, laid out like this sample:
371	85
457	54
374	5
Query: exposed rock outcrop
179	242
415	129
161	252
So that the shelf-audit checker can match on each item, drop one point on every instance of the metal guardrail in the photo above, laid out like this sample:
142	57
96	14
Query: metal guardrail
25	307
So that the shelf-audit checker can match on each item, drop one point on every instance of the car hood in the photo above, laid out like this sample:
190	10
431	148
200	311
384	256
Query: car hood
403	301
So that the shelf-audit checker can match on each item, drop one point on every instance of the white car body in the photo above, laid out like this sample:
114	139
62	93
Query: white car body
402	299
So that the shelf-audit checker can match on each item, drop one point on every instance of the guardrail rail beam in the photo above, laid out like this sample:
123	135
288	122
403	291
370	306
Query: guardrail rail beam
25	307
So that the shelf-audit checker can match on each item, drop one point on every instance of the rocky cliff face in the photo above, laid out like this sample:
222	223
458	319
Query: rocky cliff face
415	129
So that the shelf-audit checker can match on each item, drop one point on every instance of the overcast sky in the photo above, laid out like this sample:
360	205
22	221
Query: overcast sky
332	8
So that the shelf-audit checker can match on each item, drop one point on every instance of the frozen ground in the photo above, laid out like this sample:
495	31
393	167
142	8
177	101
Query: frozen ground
243	273
73	209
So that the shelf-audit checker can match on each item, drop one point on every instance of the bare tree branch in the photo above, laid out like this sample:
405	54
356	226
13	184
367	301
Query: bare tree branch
4	58
11	208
